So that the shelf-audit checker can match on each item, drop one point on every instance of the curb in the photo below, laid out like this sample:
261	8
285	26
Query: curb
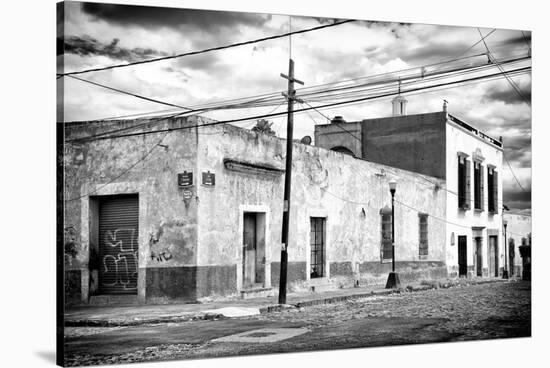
201	316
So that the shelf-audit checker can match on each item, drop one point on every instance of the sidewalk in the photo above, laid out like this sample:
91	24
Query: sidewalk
108	316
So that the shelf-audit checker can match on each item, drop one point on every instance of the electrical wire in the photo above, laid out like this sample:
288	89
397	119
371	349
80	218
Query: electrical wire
129	93
492	58
274	97
310	108
123	172
475	44
338	125
514	175
207	50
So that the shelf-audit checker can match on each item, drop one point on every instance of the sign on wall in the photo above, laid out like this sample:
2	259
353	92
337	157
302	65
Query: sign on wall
208	179
187	194
185	179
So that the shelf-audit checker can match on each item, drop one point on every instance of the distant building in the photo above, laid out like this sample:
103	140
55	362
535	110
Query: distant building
466	162
195	213
518	233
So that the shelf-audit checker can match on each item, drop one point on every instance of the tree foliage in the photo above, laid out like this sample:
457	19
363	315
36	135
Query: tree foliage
263	126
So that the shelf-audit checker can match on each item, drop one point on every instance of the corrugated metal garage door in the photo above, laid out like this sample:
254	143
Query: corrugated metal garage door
118	245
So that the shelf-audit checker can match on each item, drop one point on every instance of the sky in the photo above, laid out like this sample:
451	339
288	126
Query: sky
105	34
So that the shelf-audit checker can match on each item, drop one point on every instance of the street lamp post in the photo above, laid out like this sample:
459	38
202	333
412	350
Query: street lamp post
505	271
393	277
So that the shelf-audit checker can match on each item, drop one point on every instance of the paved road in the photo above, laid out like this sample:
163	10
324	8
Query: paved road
463	313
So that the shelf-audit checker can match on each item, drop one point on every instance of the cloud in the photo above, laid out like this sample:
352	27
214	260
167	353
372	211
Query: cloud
89	46
152	17
517	150
516	198
507	95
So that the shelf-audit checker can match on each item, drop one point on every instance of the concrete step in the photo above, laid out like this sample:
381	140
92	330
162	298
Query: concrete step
321	285
118	300
257	292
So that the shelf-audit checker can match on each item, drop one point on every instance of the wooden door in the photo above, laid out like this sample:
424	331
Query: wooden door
249	249
462	256
479	257
493	256
511	257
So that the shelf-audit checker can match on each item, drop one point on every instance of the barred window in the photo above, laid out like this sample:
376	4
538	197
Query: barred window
492	188
464	182
423	234
386	234
478	186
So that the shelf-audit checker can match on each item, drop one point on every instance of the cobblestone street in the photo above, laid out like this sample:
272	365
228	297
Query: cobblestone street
486	311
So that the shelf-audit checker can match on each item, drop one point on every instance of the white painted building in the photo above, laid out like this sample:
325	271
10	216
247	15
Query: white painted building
460	158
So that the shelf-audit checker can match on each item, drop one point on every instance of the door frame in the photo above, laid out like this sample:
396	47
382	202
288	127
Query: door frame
465	258
495	272
239	256
478	241
87	217
318	213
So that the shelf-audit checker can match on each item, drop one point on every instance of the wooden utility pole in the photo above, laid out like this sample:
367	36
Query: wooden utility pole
291	97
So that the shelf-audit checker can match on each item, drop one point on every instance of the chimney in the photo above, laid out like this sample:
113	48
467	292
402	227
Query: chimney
399	106
337	120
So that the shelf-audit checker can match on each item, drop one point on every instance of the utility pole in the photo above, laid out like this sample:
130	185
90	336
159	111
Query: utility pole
291	97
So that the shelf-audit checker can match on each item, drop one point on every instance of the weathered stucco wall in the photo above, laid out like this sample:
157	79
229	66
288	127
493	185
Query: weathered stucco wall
461	222
193	249
167	236
349	192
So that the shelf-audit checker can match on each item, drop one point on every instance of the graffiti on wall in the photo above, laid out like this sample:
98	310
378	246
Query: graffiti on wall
120	265
70	244
161	256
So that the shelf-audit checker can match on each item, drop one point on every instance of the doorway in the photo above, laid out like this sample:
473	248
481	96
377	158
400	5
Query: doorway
479	256
118	244
317	246
512	255
253	249
462	256
493	255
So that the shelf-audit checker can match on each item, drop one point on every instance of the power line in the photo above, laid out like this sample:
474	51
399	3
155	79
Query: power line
475	44
206	50
514	175
338	125
273	97
492	59
129	93
123	172
392	93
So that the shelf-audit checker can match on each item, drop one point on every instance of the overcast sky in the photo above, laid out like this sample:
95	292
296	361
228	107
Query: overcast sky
105	34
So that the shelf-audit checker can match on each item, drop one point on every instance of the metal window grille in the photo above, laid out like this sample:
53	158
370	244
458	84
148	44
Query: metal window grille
461	183
317	242
477	186
423	235
386	237
492	186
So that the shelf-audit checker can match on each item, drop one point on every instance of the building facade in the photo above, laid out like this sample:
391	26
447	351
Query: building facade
464	160
195	213
518	233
